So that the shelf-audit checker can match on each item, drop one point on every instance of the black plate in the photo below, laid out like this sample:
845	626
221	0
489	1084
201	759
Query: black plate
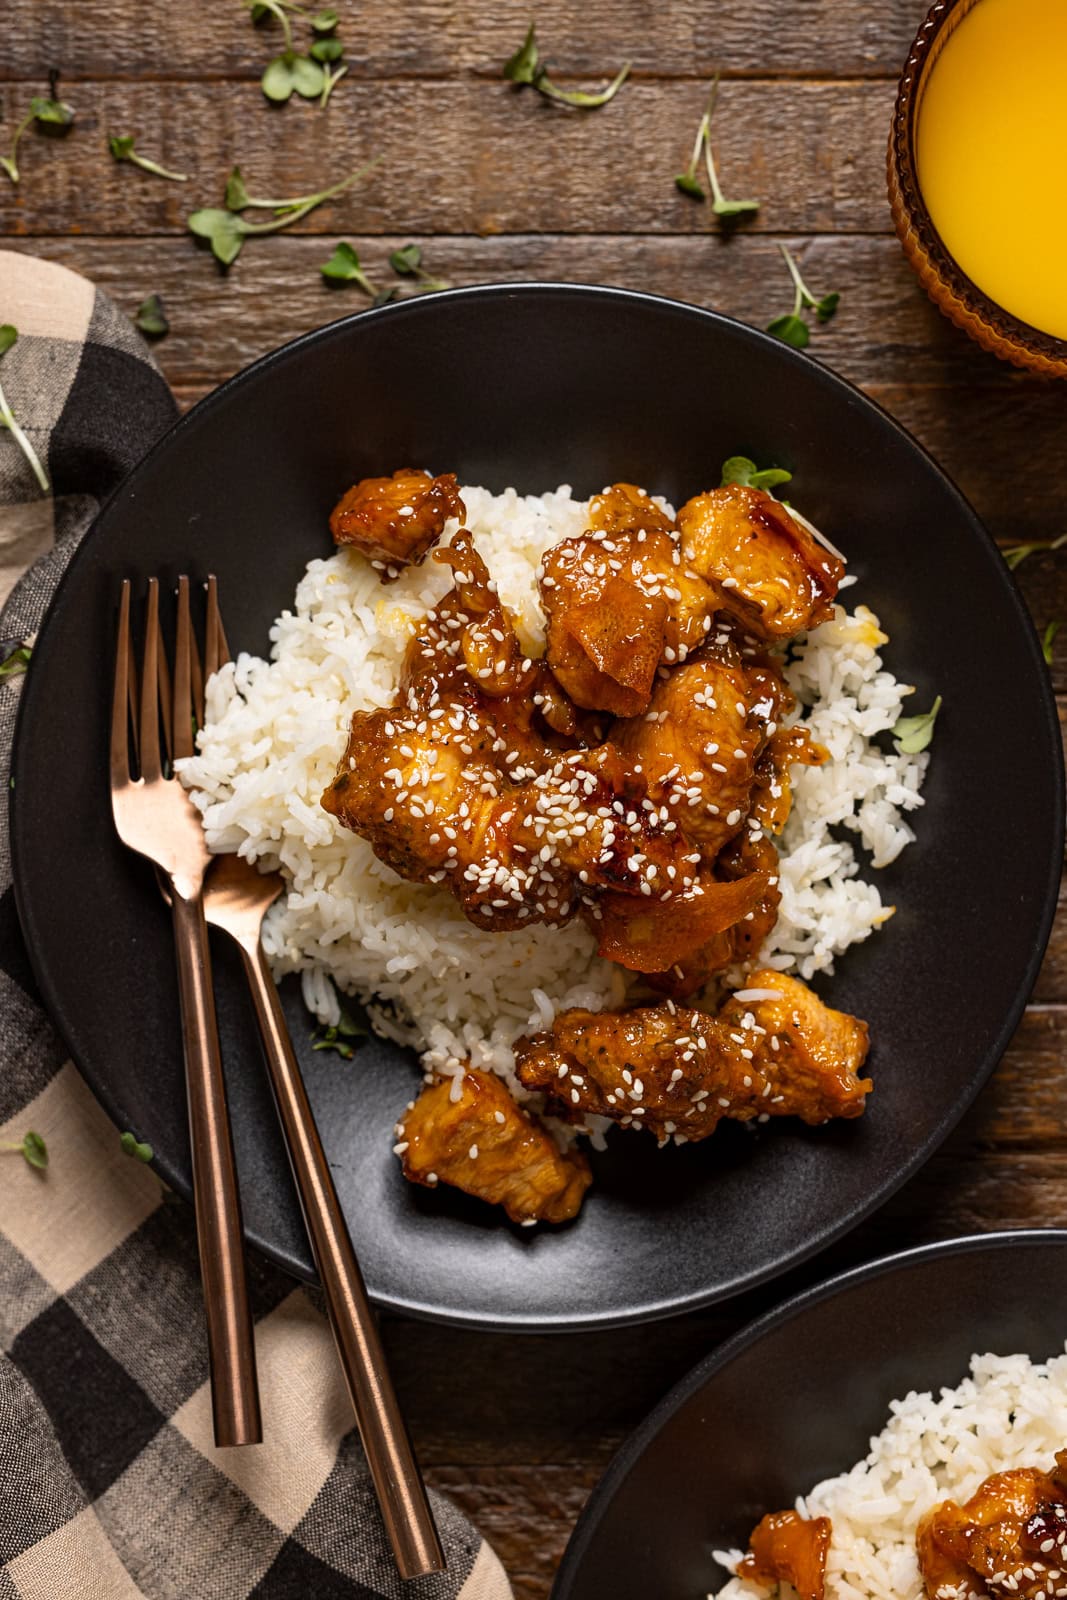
533	386
796	1398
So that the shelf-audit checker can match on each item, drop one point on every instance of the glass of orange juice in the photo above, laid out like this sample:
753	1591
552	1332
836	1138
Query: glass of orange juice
978	172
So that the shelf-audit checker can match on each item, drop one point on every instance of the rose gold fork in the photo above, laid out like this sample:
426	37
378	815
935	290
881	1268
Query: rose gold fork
236	898
155	817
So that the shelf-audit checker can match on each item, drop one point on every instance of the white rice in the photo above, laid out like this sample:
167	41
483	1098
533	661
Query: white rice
1011	1412
276	729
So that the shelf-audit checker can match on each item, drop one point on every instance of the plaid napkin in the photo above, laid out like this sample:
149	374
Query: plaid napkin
110	1485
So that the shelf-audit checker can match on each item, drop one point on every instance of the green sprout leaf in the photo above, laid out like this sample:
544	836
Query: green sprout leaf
226	231
1015	553
308	78
16	662
237	197
340	1037
50	114
405	261
151	318
525	68
327	50
791	329
32	1149
132	1146
913	734
1047	639
343	267
687	183
122	149
330	80
324	21
8	336
740	469
278	81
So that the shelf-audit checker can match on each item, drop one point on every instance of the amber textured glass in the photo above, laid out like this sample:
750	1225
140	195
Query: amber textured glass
944	280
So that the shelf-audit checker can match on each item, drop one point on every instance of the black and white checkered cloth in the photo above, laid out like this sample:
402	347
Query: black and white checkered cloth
110	1485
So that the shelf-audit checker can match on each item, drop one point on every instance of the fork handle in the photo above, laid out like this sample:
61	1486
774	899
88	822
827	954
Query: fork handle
231	1346
398	1483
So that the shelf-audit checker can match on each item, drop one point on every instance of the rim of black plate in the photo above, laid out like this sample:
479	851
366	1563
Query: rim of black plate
427	307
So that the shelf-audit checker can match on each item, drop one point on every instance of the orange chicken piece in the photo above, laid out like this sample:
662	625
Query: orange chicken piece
394	521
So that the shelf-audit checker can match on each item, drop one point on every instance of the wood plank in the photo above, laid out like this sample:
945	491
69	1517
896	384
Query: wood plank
460	158
441	38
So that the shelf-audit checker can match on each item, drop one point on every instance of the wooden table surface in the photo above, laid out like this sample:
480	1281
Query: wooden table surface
497	184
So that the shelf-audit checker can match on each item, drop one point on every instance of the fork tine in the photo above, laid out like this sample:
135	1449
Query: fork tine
217	649
182	744
120	704
151	767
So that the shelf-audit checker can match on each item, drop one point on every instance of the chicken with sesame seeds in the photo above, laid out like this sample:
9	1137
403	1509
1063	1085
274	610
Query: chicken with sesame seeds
772	1050
764	565
1008	1541
618	602
394	521
465	782
481	1141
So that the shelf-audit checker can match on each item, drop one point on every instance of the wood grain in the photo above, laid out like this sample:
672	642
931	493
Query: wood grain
439	38
460	158
499	186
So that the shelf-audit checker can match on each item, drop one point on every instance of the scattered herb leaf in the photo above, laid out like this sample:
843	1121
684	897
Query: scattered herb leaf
324	21
1047	639
525	68
32	1148
327	50
8	335
1015	553
792	328
407	263
740	469
16	663
151	318
132	1146
721	206
122	148
48	113
913	734
291	72
330	80
226	231
340	1036
343	267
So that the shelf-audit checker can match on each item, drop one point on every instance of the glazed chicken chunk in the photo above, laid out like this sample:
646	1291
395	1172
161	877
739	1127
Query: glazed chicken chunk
1009	1540
764	566
788	1548
465	782
618	601
773	1050
394	521
485	1144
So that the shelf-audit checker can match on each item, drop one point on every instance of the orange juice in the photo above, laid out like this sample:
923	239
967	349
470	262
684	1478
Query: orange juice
992	154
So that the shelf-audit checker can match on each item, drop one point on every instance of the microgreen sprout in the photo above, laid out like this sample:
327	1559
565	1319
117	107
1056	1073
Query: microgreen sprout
407	263
8	335
151	318
1047	640
913	734
122	148
525	67
291	72
343	267
226	230
16	662
132	1146
740	469
339	1037
50	114
690	184
792	328
1014	553
32	1148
